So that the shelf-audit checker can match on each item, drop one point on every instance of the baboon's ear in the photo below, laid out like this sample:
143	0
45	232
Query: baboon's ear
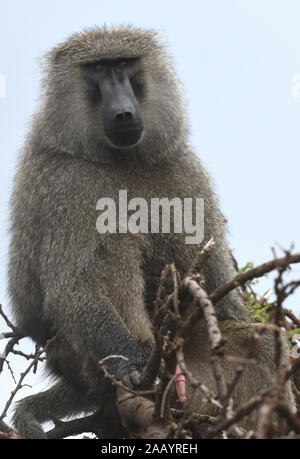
68	52
59	54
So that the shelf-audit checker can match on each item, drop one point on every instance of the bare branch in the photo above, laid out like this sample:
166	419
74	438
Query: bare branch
259	271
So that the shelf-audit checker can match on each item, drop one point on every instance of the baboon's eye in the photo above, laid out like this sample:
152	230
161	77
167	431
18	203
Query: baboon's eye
123	64
98	67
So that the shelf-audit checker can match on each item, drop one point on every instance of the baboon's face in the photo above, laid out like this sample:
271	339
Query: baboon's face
116	86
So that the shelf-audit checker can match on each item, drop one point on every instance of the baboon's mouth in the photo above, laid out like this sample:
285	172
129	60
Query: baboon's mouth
125	136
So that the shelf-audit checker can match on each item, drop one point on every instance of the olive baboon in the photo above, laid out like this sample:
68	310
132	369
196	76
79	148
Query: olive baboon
111	117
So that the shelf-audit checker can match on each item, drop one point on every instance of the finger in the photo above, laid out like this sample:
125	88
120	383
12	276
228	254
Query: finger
135	378
127	381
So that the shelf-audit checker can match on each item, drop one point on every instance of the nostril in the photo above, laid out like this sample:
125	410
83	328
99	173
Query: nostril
123	116
119	117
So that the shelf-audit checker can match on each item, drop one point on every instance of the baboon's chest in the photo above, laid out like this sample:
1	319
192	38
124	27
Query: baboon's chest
169	220
165	249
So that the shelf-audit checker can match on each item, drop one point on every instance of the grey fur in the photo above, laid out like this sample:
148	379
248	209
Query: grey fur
98	290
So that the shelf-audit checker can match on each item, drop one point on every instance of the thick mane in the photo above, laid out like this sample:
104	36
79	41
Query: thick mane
103	43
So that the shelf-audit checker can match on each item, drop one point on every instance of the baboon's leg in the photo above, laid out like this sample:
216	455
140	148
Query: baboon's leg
59	401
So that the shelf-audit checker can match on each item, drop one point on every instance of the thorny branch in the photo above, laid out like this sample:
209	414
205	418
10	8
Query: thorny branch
147	412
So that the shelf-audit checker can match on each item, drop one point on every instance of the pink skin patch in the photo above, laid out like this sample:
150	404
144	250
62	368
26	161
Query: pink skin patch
180	386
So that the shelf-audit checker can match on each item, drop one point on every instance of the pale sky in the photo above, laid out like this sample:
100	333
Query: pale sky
239	61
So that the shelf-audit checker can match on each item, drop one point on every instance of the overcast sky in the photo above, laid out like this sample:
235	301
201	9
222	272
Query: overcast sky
239	61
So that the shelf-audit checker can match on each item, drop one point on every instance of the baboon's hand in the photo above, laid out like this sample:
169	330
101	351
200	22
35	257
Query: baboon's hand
132	379
130	373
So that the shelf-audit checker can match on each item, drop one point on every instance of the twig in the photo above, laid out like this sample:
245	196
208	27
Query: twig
214	333
117	382
259	271
241	413
23	375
